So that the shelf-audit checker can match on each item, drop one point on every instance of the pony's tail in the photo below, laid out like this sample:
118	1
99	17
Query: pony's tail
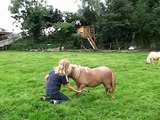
113	84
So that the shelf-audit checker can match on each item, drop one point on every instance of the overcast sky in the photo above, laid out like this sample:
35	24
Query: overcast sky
5	16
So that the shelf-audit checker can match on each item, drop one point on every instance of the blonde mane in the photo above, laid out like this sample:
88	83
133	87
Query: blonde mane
78	68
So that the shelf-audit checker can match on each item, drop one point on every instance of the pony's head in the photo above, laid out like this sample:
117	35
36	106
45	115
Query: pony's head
76	69
63	68
148	61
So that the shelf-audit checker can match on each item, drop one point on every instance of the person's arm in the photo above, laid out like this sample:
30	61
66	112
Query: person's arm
46	77
73	89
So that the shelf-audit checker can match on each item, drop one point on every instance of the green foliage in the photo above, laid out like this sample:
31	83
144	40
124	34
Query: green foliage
22	84
89	10
140	18
145	25
118	23
21	44
64	32
26	45
34	17
70	17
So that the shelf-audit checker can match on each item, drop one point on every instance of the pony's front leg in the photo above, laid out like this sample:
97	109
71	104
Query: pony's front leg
153	61
82	87
78	85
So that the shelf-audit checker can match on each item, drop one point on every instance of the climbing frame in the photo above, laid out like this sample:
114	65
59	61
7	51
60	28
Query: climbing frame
87	32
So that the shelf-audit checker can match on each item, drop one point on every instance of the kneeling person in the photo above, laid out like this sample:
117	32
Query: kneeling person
55	79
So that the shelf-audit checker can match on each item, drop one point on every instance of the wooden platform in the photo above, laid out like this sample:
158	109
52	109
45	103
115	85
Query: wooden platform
87	32
5	33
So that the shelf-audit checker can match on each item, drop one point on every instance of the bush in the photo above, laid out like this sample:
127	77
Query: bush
27	45
20	44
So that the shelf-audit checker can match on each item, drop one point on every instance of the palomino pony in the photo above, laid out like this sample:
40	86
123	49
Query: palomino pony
84	77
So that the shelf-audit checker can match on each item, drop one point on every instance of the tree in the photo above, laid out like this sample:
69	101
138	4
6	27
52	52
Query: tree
114	24
142	20
64	33
34	16
89	10
154	28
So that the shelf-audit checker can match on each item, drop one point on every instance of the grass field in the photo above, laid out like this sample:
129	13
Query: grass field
22	84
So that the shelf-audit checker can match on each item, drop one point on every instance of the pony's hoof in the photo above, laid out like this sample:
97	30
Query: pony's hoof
85	90
113	97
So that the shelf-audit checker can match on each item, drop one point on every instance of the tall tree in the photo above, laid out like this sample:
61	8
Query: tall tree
154	27
34	16
141	21
114	24
90	9
64	32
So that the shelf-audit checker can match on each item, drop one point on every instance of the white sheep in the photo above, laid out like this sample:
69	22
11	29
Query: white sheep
152	57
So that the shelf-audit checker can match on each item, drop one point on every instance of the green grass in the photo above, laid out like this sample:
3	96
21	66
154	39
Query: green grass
22	84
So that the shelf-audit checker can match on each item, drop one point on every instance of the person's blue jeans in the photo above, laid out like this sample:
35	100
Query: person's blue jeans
60	97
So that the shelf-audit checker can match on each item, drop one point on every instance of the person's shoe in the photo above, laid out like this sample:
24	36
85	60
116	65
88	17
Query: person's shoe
54	102
44	97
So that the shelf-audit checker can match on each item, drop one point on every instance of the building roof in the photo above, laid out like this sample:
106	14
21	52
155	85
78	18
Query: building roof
4	33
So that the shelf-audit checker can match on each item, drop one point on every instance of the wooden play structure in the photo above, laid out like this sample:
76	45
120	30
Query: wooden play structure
4	43
88	33
7	38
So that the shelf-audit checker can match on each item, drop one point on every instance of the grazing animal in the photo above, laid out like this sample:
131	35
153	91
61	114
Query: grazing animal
84	76
152	57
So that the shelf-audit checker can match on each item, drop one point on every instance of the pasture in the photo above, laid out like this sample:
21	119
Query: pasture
22	83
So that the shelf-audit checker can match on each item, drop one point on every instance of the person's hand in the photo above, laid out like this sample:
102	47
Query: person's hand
80	91
46	77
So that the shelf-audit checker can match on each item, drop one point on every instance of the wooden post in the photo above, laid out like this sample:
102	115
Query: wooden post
110	46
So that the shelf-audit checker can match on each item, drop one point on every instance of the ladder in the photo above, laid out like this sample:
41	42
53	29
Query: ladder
92	42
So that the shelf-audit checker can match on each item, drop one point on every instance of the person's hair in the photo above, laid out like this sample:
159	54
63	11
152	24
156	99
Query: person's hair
63	67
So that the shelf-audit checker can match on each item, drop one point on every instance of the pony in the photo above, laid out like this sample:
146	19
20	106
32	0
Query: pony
87	77
152	57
